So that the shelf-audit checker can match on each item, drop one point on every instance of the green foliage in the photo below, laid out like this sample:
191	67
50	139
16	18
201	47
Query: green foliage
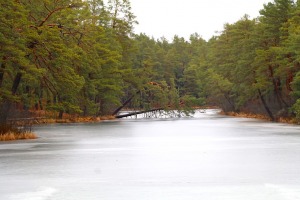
83	57
62	50
296	86
192	101
65	107
296	109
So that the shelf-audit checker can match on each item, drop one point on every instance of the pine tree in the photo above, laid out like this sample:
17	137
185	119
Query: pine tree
14	63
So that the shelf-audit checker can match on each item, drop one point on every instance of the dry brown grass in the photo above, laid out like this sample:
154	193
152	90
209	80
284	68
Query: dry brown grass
287	120
9	132
206	107
108	117
50	117
45	121
247	115
87	119
84	119
17	136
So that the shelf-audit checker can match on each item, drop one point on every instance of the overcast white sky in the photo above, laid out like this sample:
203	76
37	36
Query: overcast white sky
166	18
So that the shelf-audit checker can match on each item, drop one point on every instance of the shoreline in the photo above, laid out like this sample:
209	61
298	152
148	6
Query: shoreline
13	134
284	120
89	119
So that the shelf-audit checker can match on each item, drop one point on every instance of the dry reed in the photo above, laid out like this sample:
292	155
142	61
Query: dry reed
17	136
246	115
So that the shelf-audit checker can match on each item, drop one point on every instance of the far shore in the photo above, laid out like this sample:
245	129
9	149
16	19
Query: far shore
14	134
287	120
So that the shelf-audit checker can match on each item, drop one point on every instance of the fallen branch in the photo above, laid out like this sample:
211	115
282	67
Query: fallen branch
139	112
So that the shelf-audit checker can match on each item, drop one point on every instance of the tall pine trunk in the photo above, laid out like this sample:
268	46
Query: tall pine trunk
266	105
2	68
125	103
6	105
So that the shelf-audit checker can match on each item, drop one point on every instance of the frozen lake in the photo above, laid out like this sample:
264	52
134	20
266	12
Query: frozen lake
208	157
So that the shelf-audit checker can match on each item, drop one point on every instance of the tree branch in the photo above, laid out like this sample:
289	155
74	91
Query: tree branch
50	14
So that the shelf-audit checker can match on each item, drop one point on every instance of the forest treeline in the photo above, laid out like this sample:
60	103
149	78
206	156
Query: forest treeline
83	57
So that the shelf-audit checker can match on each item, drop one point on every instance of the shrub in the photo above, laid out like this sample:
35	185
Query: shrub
9	132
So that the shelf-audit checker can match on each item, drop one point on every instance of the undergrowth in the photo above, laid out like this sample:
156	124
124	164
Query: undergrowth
9	132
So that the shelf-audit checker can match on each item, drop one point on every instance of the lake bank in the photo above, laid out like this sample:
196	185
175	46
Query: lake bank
10	136
91	119
9	133
286	120
20	129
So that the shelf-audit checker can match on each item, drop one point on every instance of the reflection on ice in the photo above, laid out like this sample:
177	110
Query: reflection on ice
283	192
160	114
41	194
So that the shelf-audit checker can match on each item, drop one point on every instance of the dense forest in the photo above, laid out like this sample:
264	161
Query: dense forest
83	57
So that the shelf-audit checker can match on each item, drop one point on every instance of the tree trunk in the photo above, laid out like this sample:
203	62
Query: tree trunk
125	103
1	77
276	85
2	71
114	22
136	113
4	110
265	105
100	106
41	104
60	115
6	105
231	104
16	83
61	111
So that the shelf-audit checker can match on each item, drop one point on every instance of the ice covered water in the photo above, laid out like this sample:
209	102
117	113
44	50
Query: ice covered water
208	157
